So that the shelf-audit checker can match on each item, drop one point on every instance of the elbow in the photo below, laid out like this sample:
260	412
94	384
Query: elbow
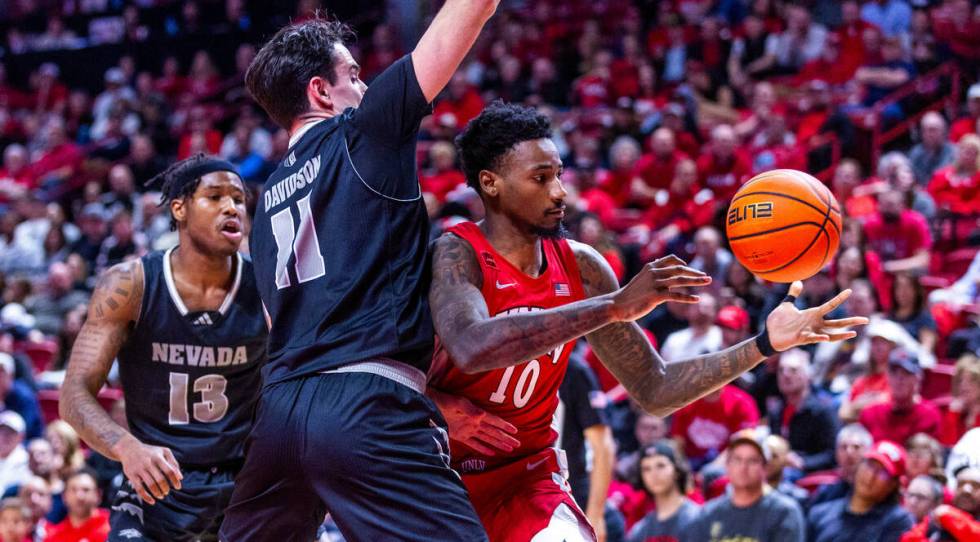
64	408
467	359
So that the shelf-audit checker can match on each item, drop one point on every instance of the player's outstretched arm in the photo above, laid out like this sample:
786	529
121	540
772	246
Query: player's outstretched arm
447	41
662	388
114	306
477	342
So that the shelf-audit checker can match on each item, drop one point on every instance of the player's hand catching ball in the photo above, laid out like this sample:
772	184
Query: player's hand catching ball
789	326
152	470
659	281
476	428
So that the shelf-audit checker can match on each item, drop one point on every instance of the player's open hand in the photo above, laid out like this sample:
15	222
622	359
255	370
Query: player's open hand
152	470
478	429
789	326
662	280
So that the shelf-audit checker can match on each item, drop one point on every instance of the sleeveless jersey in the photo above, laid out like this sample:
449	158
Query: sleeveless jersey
191	380
526	394
340	238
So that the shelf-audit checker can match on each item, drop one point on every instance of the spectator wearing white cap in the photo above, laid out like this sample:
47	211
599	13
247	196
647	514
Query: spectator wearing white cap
14	459
968	123
116	91
19	398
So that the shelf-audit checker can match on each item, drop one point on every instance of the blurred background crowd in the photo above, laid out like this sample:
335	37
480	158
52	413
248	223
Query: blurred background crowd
661	109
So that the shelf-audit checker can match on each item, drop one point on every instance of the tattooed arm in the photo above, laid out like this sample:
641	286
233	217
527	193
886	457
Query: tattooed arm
112	311
477	342
662	388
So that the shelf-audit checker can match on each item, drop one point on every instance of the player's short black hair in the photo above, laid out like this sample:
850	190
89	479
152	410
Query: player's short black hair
495	131
172	183
280	72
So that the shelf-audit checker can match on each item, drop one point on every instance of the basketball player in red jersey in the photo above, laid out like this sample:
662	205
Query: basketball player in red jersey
509	297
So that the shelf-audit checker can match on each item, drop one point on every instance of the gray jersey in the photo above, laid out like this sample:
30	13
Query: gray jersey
773	518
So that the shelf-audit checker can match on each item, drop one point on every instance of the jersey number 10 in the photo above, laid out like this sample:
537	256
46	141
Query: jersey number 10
301	241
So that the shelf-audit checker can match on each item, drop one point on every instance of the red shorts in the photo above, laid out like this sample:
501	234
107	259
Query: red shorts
529	500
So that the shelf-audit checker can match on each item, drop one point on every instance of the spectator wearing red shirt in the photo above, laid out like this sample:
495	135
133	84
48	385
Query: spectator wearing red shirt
203	79
963	413
959	522
872	387
956	188
775	146
200	135
624	155
755	119
592	89
50	95
15	175
905	413
723	168
956	25
967	124
674	118
655	169
847	185
704	427
10	96
461	100
592	198
851	36
830	66
899	235
171	84
59	161
679	210
85	520
443	177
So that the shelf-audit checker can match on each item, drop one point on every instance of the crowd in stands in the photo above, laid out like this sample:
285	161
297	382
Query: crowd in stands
660	110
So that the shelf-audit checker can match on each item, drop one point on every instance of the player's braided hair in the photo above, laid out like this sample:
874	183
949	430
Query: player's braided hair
489	136
280	72
172	184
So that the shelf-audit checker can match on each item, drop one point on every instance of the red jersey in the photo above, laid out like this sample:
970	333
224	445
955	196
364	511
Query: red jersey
526	394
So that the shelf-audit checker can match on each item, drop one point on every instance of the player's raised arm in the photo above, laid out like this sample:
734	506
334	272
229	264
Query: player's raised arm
113	309
447	41
662	388
477	342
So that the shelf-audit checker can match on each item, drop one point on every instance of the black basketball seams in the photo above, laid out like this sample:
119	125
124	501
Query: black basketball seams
774	230
826	218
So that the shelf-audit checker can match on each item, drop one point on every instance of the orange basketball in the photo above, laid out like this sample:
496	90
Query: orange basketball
784	225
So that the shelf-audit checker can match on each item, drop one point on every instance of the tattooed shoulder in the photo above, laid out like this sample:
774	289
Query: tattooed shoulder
597	276
118	293
454	261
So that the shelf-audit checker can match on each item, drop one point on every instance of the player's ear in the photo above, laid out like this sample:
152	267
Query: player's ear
318	94
489	182
178	210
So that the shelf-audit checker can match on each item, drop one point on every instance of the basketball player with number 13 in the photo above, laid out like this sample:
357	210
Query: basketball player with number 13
510	296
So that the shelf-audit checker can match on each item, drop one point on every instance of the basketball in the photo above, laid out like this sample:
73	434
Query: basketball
784	225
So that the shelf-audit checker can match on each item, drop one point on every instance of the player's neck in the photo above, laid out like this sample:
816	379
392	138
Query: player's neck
521	248
208	271
304	121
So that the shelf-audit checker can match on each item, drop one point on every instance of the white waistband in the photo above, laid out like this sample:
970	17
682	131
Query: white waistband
404	374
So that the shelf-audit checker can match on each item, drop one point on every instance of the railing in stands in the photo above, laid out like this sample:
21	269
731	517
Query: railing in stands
919	86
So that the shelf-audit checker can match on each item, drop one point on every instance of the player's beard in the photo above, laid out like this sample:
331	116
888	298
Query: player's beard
558	232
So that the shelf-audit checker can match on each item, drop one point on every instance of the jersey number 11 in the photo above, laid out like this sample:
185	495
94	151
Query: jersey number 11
301	241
